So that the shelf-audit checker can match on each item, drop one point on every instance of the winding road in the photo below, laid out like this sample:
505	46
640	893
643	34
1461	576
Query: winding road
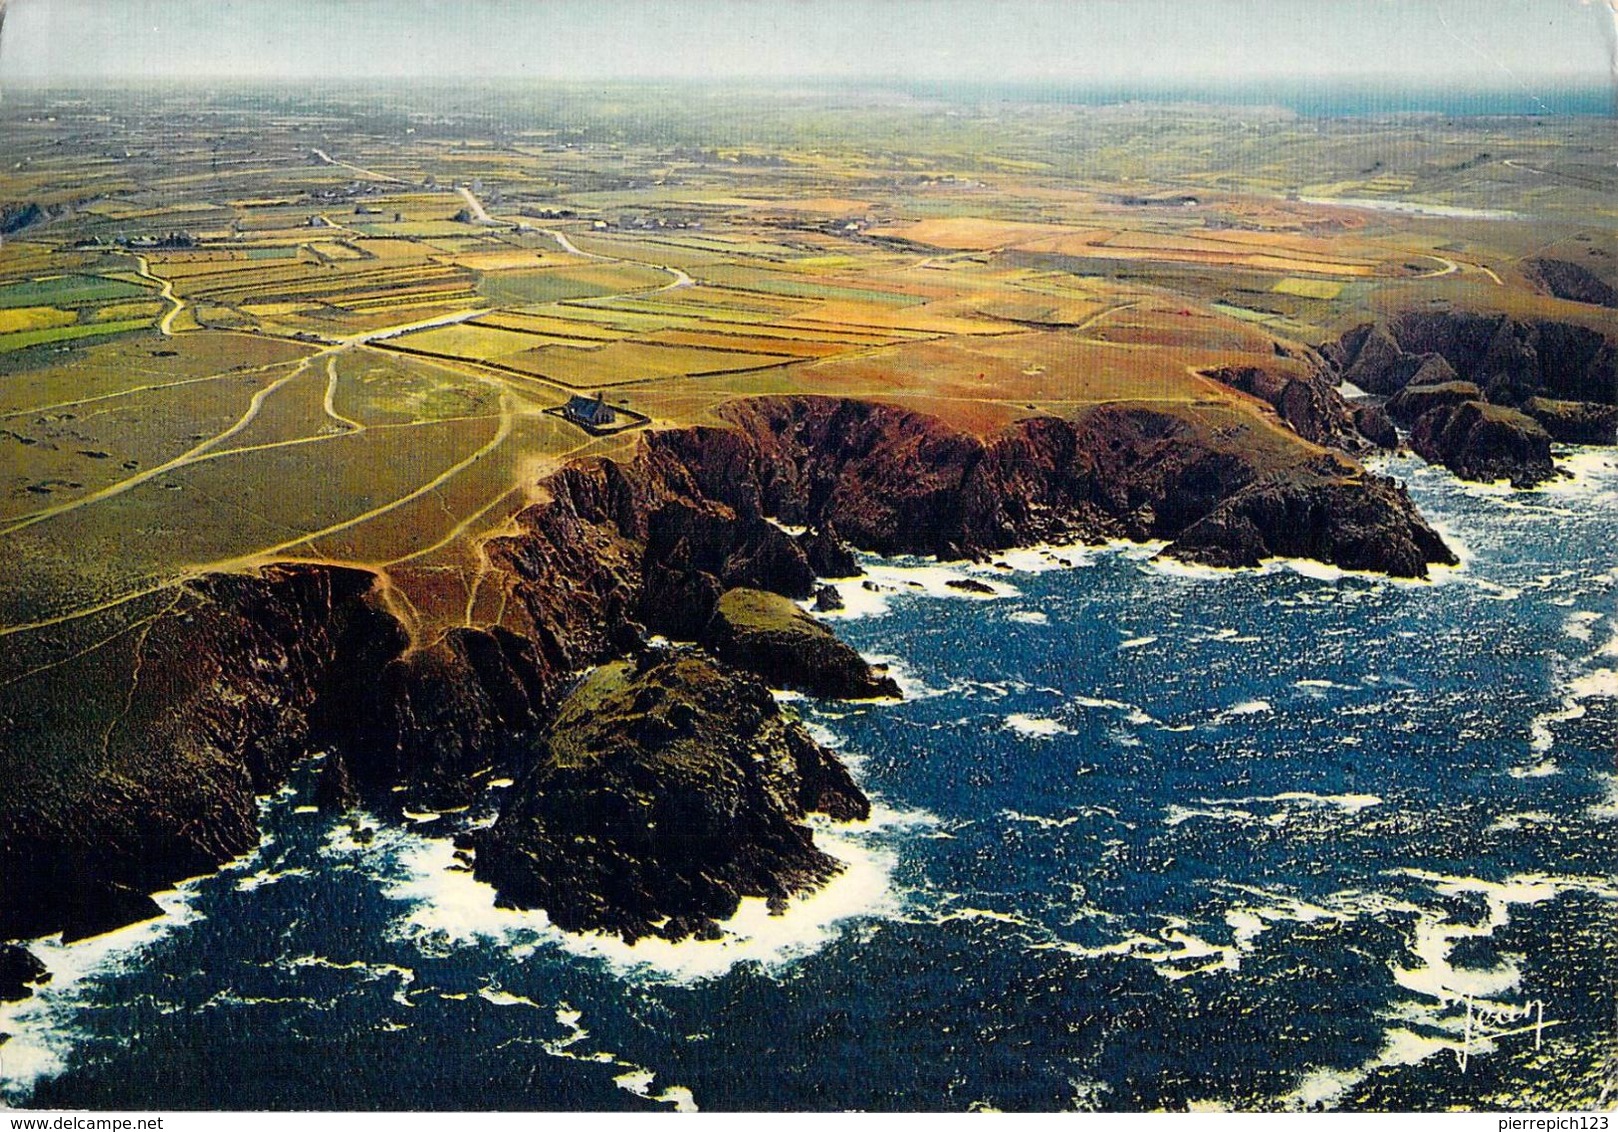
165	325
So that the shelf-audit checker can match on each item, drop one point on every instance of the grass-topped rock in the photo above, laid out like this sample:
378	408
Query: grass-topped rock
1479	441
668	788
769	635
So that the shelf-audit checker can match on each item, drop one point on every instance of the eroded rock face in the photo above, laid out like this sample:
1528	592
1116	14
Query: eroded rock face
1574	422
117	781
244	674
769	636
1509	359
1484	394
1478	441
1365	525
1414	400
1303	396
668	788
828	555
1376	426
1568	280
1118	471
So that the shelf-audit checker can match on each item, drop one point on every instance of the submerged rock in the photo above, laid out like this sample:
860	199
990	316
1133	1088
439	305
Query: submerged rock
771	637
668	788
20	972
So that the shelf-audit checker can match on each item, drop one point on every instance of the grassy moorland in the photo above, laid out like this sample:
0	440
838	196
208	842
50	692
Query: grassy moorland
332	332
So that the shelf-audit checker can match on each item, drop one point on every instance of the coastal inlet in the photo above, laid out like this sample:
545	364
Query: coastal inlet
1143	835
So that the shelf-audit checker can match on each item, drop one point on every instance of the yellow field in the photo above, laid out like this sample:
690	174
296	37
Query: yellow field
34	318
119	312
1308	288
617	363
509	260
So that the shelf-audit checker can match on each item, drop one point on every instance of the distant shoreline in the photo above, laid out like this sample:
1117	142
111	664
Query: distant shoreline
1308	97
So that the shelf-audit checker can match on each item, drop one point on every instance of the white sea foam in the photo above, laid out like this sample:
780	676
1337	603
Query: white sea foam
1607	809
1244	708
1043	822
1030	617
911	685
1580	624
1044	557
886	579
1176	814
1036	727
267	876
1189	571
1174	951
42	1035
1597	683
1350	803
1511	823
370	972
448	908
1603	682
1592	474
1542	769
632	1078
1456	1010
1137	642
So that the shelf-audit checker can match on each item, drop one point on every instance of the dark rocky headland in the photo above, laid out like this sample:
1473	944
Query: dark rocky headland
112	789
667	788
1486	394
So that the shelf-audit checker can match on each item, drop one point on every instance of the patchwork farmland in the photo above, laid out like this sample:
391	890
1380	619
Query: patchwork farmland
333	340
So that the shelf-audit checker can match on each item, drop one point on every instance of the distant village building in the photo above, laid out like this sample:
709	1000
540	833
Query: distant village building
591	412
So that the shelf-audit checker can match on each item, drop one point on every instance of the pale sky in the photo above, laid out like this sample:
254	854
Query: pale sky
1500	43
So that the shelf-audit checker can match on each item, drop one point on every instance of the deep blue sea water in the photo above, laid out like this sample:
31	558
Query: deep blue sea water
1146	837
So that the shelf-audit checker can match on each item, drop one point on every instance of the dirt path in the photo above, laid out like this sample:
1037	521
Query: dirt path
165	325
189	456
479	213
507	416
373	174
329	402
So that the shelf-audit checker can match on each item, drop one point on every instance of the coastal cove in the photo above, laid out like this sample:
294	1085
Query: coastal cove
1139	829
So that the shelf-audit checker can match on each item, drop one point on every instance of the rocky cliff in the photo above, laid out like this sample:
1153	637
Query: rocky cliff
152	775
768	635
1478	441
1509	359
1305	397
1528	381
666	789
118	781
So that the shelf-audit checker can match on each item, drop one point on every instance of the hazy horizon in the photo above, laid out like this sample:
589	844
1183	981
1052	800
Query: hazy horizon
1473	44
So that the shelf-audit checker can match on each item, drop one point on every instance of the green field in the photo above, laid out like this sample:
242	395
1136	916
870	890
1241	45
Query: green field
68	291
23	339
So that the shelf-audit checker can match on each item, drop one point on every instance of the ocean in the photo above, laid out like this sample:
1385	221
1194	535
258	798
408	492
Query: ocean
1146	836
